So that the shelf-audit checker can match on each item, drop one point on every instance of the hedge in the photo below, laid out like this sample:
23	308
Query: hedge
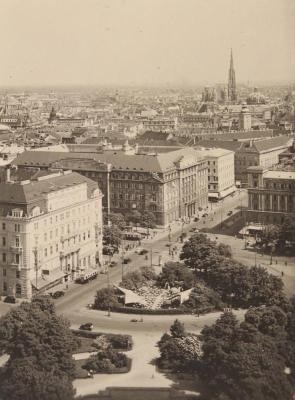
81	373
117	341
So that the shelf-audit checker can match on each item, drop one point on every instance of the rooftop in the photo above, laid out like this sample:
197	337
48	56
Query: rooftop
119	160
31	190
280	175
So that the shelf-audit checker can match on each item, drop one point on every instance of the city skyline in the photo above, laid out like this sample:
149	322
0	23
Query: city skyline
140	43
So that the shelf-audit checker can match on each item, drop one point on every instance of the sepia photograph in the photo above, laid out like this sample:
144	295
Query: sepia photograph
147	200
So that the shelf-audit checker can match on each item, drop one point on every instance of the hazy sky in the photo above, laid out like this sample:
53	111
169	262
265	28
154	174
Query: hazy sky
52	42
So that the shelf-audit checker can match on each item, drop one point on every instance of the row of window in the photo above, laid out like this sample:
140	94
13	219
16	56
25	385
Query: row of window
16	258
5	226
17	273
18	288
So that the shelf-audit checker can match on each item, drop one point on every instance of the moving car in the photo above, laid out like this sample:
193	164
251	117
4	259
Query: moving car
86	327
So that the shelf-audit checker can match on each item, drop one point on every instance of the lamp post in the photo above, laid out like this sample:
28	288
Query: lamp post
109	284
35	251
169	236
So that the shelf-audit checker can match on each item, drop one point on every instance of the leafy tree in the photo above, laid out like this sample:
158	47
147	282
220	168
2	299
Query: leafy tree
203	299
224	250
180	350
115	219
269	236
112	237
106	298
287	233
239	361
22	380
177	329
176	275
200	253
38	340
148	220
133	280
148	273
134	217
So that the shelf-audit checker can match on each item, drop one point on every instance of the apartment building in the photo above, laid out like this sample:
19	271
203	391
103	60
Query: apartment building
51	231
271	195
221	171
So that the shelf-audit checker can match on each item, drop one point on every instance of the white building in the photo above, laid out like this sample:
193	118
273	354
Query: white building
51	231
221	171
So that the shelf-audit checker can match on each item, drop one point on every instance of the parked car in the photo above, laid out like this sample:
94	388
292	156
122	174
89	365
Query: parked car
113	264
10	299
196	219
205	215
58	294
229	213
126	260
86	327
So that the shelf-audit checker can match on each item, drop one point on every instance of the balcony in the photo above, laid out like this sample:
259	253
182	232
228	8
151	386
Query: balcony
16	249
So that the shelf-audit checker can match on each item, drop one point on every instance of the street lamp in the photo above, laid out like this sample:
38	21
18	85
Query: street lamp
169	236
35	251
109	284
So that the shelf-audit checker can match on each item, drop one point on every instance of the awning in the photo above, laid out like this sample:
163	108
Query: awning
131	297
44	281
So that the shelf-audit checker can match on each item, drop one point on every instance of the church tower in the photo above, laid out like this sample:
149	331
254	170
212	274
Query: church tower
232	92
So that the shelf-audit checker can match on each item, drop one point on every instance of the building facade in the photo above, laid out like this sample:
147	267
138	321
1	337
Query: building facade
172	185
271	195
221	172
51	231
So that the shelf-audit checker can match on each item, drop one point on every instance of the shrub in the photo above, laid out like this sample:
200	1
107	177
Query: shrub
106	361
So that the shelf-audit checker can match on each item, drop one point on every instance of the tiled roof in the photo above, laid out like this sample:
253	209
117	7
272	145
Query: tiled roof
119	160
35	190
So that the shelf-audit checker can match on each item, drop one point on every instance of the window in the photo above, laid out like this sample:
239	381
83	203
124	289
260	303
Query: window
17	259
45	252
3	241
88	234
4	286
56	247
17	274
45	237
4	271
17	227
17	241
3	226
4	257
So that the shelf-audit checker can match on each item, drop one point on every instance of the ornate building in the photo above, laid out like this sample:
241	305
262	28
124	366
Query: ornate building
51	231
271	195
232	91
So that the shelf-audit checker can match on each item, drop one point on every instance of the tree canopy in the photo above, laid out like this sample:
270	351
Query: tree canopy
40	344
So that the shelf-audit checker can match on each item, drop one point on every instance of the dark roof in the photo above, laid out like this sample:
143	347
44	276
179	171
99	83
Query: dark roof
118	159
241	135
223	144
272	143
35	190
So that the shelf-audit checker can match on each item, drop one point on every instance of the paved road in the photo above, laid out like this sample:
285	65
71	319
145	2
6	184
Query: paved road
84	294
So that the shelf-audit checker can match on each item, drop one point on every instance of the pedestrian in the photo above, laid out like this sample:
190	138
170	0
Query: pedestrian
282	273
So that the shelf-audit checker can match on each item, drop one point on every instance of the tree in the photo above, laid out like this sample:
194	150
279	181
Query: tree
39	344
134	217
106	298
239	361
224	250
176	275
23	380
148	220
177	329
269	236
200	253
106	361
112	237
203	299
115	219
287	233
